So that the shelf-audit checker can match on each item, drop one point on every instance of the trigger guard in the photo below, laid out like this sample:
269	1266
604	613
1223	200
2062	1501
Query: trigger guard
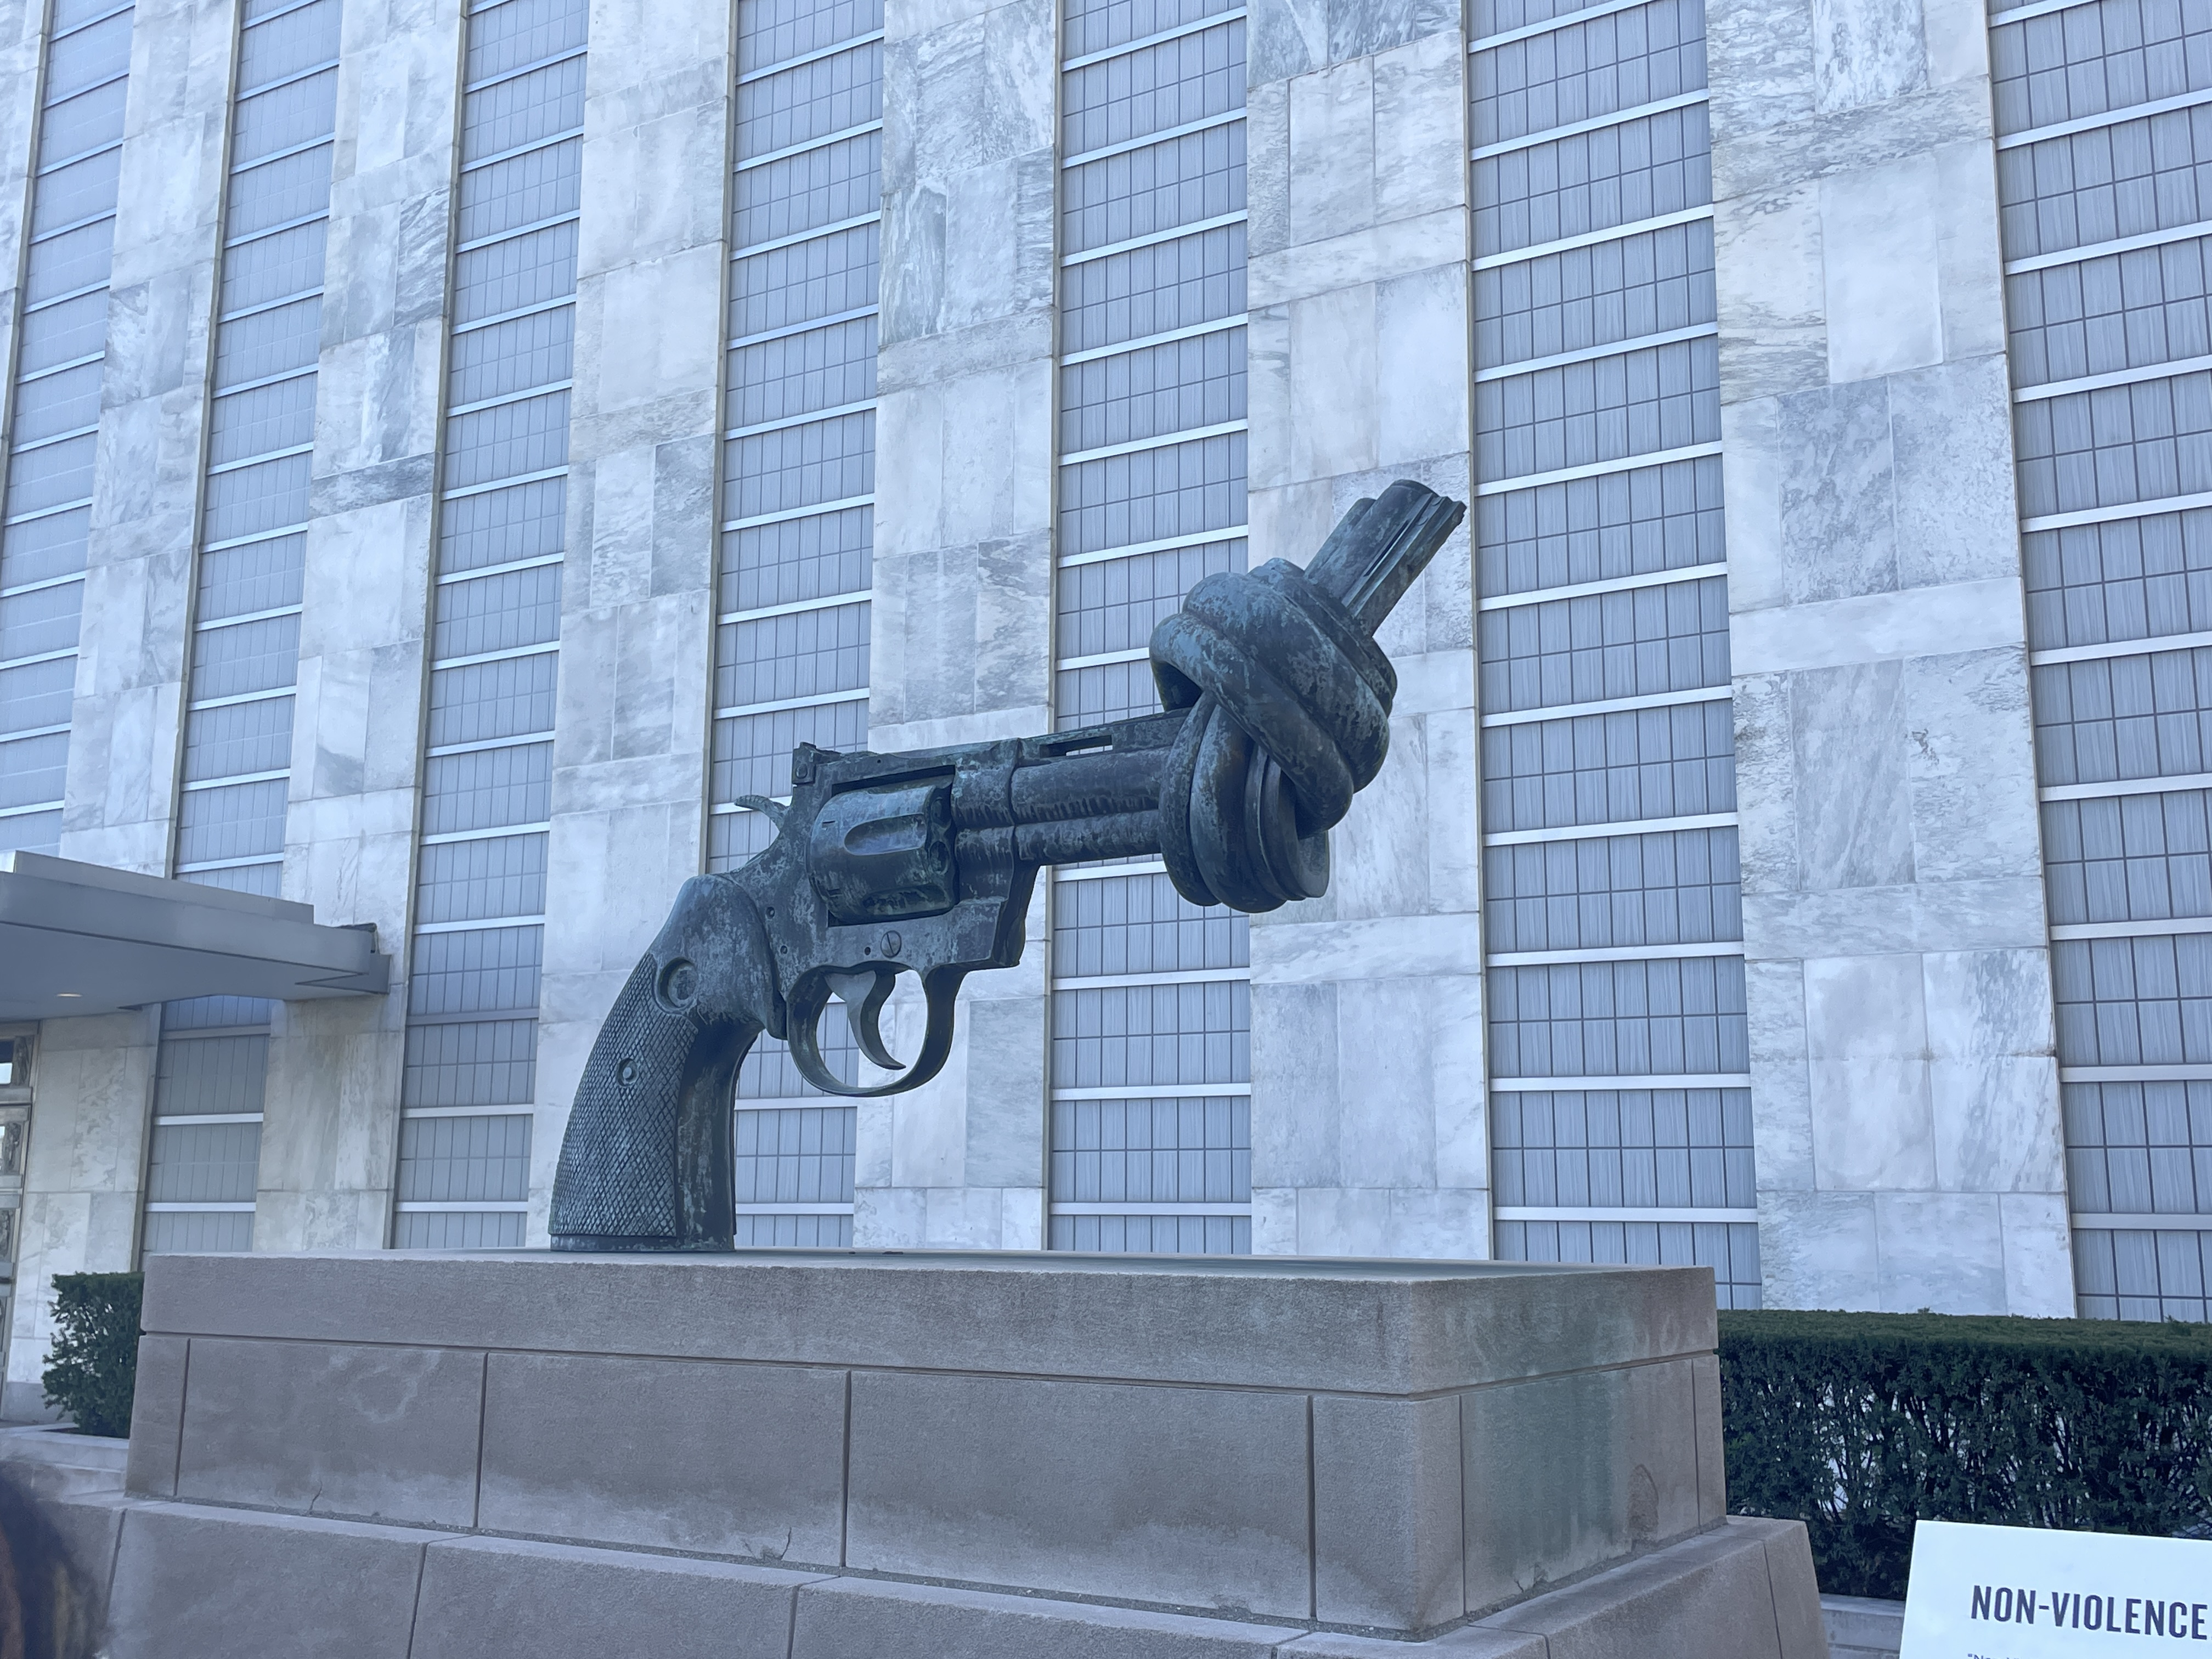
811	995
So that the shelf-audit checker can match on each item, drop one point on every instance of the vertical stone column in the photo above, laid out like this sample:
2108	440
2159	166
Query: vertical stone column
1903	1076
22	26
91	1090
1369	1131
329	1139
961	635
637	599
127	719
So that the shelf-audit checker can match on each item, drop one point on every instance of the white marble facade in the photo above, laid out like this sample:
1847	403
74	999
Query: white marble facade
1904	1082
1903	1072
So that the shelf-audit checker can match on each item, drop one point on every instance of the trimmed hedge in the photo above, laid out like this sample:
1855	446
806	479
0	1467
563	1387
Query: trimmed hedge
1859	1424
92	1369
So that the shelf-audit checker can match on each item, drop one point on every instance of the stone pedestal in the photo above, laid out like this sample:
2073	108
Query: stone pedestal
850	1453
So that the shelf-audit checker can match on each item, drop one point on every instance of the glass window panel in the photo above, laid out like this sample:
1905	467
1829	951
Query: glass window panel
65	402
811	101
492	970
266	342
276	266
242	657
168	1231
471	1063
1610	769
45	548
803	655
243	821
75	192
1573	300
1636	642
44	619
497	613
503	526
1151	1035
1153	89
67	263
33	771
798	373
1153	289
1610	892
37	694
238	739
516	355
1590	181
261	420
279	47
504	38
285	117
457	1159
255	500
498	877
277	191
771	31
1138	192
2089	59
752	752
822	277
234	582
81	56
508	698
1619	1018
795	1155
815	558
528	269
522	190
487	789
83	121
458	1230
1152	392
204	1162
524	109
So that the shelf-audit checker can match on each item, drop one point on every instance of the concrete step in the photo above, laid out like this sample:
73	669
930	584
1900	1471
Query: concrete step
1860	1628
54	1460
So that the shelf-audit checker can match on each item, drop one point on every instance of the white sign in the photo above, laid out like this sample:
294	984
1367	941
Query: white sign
2023	1593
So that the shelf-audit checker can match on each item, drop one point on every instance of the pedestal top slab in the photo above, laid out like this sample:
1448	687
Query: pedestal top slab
1343	1325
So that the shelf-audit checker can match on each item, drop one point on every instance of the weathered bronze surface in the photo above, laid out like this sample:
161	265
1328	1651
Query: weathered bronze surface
1278	704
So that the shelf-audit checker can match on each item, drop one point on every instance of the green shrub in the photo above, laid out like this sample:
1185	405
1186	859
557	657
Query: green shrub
93	1367
1859	1424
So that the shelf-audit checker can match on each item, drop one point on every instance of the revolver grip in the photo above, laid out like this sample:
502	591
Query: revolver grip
646	1163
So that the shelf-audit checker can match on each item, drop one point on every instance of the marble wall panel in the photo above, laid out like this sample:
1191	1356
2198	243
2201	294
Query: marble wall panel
126	721
92	1099
1903	1087
630	746
22	24
330	1140
961	633
1370	1135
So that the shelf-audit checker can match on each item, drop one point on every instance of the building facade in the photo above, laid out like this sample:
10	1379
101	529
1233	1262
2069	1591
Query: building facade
454	451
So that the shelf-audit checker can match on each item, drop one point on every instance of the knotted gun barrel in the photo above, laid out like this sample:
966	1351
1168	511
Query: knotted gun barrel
1276	712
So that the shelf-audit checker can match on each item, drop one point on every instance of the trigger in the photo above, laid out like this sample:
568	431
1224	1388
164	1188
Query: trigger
864	994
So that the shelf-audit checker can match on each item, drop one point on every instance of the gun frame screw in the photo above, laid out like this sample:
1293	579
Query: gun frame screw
892	943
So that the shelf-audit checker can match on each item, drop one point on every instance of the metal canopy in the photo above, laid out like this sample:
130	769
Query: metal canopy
77	939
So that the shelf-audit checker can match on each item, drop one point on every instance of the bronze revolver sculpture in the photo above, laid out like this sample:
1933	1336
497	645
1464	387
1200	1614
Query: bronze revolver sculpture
1277	711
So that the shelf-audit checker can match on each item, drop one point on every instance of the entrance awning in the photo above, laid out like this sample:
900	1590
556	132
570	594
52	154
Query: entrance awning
78	939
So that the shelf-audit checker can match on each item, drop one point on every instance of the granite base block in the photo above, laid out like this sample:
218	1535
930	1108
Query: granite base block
1860	1627
837	1455
195	1582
